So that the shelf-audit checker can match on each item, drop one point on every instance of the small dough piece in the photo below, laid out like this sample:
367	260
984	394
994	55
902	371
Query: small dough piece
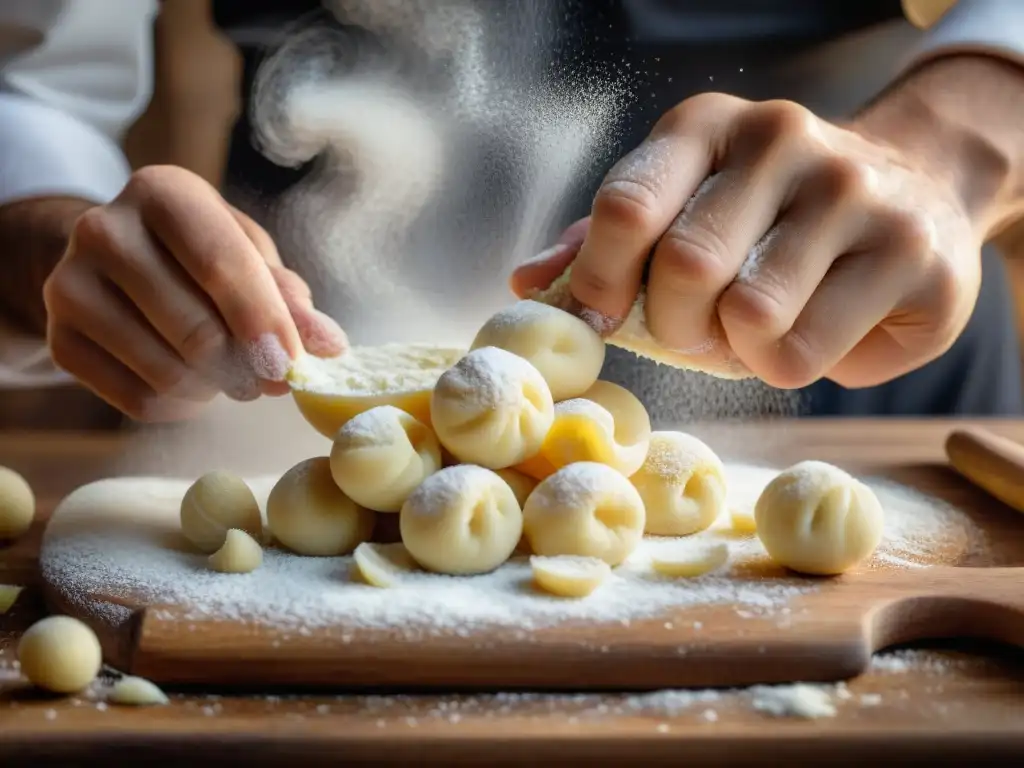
241	553
688	560
8	596
567	352
743	521
522	485
607	424
463	520
133	691
682	483
17	504
60	654
816	519
215	503
380	457
383	565
310	515
585	509
568	576
492	408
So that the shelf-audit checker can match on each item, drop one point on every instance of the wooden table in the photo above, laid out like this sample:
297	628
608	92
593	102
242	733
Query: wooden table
955	704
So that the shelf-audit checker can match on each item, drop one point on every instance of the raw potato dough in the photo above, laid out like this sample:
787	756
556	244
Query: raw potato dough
568	576
492	408
241	553
682	483
17	504
816	519
607	424
585	509
522	485
215	503
688	561
743	521
383	565
137	692
381	456
634	335
8	596
463	520
567	352
60	654
310	514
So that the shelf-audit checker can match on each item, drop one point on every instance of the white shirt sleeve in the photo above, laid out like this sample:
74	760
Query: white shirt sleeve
992	27
74	75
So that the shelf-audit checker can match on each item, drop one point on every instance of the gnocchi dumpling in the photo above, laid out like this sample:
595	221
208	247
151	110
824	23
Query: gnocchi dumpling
568	576
213	505
492	408
310	515
682	483
462	520
380	456
816	519
567	352
585	509
522	485
607	424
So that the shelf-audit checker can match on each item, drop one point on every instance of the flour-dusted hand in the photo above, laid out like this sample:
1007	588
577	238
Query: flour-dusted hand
775	243
169	295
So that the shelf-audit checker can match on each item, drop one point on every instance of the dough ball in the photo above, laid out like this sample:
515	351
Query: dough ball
568	576
17	504
383	565
608	425
585	509
132	691
241	553
463	520
816	519
310	514
492	408
567	352
214	504
688	560
60	654
682	483
522	485
381	456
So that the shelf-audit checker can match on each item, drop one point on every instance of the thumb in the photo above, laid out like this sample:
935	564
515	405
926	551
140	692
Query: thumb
540	271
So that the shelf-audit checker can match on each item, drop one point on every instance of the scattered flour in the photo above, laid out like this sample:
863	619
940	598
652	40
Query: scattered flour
797	700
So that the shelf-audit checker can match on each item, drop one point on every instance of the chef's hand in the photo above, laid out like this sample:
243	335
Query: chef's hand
786	245
169	295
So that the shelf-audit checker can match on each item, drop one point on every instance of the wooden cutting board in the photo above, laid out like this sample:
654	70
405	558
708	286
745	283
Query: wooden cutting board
826	631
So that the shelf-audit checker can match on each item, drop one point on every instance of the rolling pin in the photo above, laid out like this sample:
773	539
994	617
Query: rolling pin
991	462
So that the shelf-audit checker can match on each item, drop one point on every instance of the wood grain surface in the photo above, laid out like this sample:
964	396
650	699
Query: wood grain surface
961	703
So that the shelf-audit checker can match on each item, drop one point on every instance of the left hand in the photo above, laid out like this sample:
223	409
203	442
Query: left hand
780	245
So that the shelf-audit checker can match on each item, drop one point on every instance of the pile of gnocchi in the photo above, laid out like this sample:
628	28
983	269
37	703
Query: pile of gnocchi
525	452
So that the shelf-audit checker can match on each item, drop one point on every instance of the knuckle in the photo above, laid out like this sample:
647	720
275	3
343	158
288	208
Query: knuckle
843	180
94	230
60	291
754	305
146	183
204	341
627	204
694	257
687	112
782	119
800	363
908	231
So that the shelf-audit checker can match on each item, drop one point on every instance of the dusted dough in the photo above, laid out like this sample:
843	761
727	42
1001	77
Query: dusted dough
60	654
215	503
585	509
682	483
568	576
383	565
241	553
17	504
567	352
310	515
463	520
522	485
136	692
607	424
492	408
380	457
816	519
688	561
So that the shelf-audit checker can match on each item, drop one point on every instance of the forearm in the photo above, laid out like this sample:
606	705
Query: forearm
33	236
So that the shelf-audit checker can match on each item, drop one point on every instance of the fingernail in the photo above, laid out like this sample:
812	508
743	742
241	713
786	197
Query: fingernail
546	255
322	336
267	357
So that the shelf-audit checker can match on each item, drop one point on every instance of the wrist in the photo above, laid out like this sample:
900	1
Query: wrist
959	118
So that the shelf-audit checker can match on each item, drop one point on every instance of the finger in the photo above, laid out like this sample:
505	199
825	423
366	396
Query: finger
258	235
103	315
780	274
188	216
708	242
320	335
639	199
113	382
540	271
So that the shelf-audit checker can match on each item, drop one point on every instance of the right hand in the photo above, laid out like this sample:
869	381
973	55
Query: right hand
168	296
